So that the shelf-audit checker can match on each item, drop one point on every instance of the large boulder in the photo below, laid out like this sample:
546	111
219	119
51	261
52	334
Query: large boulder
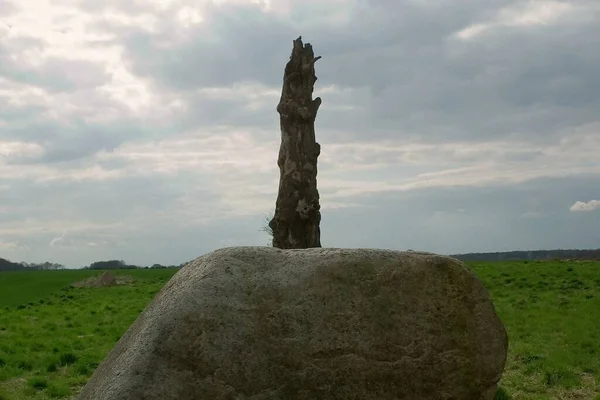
263	323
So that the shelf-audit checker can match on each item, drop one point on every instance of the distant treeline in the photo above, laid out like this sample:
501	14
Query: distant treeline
120	264
6	265
560	254
531	255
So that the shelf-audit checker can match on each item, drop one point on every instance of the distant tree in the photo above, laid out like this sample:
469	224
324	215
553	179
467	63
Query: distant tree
557	254
6	265
47	266
111	264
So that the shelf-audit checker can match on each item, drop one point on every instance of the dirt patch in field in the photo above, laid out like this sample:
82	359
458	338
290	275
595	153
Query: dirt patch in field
104	280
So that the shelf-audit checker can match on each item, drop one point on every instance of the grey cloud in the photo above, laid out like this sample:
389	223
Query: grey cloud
57	75
539	83
236	44
491	219
79	222
7	8
416	81
205	111
12	246
18	43
83	240
334	123
148	198
16	114
75	142
87	132
462	219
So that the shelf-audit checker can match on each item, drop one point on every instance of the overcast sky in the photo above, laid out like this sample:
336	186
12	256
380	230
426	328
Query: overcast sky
146	130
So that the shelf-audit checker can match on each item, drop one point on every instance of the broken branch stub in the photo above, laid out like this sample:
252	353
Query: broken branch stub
295	224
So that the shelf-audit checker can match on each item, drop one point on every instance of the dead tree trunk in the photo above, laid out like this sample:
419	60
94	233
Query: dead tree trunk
295	224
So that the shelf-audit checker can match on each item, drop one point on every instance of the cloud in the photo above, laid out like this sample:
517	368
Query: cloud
8	8
417	83
70	239
525	14
582	206
12	246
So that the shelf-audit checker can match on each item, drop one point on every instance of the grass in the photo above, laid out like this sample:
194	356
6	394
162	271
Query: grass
20	288
23	287
52	336
551	311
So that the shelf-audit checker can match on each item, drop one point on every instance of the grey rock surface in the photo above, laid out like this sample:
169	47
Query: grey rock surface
264	323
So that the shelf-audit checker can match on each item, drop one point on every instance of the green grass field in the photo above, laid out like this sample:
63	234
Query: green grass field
52	336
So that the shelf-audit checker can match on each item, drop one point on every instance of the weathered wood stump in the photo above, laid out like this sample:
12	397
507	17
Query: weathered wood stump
295	224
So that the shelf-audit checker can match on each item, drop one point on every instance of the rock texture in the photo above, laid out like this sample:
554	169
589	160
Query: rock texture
295	224
264	323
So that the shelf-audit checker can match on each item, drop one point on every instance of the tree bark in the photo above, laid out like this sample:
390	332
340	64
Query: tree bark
295	224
